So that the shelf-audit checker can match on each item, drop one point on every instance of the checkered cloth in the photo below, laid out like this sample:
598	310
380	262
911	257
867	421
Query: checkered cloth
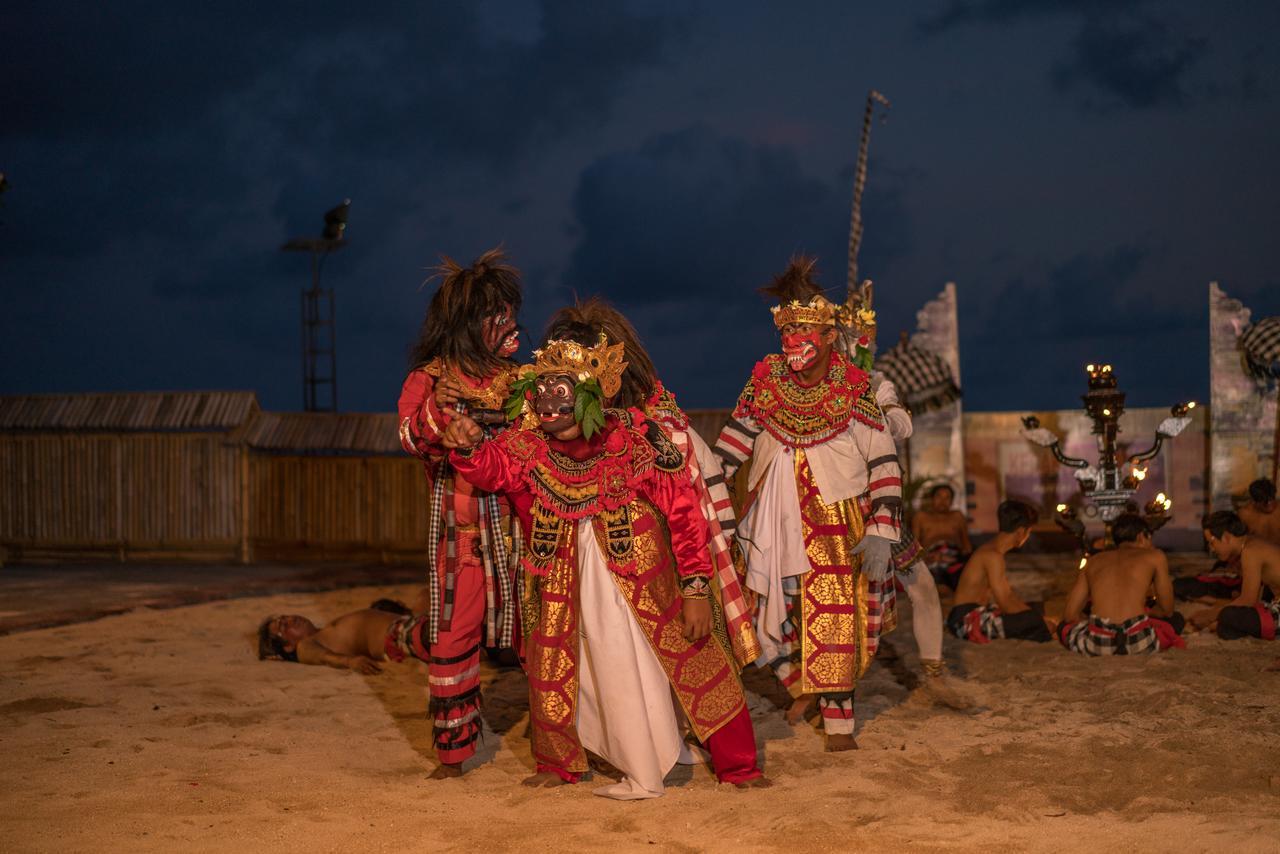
498	558
976	623
923	379
1138	635
1260	349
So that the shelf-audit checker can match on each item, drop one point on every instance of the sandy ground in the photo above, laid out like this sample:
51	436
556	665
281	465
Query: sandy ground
157	730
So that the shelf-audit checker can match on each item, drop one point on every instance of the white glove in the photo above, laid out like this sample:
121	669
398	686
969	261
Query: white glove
876	553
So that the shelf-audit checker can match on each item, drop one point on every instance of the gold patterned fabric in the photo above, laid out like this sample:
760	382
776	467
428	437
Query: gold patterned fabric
551	653
834	600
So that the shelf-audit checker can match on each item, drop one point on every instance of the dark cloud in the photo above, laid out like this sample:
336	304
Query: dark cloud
160	155
1119	57
963	12
682	230
1092	308
1137	65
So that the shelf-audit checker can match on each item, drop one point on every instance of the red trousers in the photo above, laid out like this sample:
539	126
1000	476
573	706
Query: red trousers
733	750
454	668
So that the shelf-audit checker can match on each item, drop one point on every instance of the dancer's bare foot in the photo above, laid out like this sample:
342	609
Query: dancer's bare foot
757	783
840	742
542	780
446	771
798	709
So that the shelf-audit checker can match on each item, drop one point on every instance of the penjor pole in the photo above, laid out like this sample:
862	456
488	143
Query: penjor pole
859	183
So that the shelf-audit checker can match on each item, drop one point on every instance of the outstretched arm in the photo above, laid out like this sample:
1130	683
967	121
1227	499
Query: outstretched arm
482	462
312	651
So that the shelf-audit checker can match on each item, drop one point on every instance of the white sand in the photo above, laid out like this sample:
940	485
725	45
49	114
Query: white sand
159	731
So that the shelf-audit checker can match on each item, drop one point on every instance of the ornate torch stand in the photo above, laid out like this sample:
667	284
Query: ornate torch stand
1107	490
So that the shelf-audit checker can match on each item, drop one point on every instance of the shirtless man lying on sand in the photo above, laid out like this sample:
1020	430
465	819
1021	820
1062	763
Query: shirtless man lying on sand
358	641
975	617
1115	583
1246	615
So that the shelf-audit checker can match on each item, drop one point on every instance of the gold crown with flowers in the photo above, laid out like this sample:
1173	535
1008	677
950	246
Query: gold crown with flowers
856	314
818	310
604	362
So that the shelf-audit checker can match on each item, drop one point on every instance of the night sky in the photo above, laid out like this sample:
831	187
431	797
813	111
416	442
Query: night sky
1081	170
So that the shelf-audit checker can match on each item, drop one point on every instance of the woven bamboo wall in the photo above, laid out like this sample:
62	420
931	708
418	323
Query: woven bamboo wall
119	495
336	507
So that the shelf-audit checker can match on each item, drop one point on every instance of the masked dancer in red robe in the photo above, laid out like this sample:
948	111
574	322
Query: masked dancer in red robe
617	610
817	556
641	391
462	363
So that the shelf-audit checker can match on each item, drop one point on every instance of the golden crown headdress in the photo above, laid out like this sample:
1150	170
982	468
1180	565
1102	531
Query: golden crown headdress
856	314
817	310
604	362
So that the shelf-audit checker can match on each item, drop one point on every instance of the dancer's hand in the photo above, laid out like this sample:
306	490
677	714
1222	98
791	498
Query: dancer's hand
696	617
462	432
448	392
876	554
364	665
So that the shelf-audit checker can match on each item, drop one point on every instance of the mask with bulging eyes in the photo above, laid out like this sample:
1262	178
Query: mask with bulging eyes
553	405
500	333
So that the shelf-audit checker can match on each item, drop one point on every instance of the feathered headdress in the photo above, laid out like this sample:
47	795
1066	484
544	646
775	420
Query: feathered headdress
800	299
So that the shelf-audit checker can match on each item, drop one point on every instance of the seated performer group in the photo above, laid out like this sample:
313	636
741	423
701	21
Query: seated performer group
1249	614
1262	519
1114	586
576	519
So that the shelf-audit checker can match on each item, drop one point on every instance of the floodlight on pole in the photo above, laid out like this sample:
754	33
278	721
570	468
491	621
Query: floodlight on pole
318	328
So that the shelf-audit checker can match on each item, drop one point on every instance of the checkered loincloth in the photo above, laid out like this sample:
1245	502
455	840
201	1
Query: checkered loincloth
977	623
1138	635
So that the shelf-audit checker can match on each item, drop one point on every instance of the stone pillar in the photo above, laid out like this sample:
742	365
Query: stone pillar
937	445
1242	416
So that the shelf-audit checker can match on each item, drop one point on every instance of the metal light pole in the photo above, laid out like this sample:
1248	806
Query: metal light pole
319	337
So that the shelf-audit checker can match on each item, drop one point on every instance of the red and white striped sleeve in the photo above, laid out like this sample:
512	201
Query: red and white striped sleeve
884	481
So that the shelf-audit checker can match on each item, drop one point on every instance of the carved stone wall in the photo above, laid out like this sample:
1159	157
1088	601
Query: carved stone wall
937	445
1242	415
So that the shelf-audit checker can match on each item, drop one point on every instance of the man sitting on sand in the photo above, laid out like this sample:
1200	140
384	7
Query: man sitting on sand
1223	580
1246	615
975	617
1115	584
943	534
386	630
